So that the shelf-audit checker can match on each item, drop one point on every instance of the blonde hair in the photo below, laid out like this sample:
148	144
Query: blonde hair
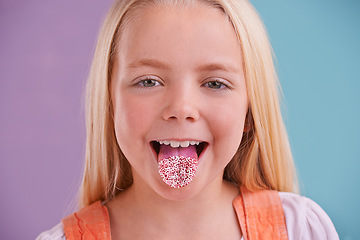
263	160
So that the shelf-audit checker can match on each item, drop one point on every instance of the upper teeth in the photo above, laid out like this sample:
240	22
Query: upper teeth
175	144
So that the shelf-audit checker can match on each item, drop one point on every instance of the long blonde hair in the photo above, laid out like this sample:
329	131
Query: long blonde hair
263	160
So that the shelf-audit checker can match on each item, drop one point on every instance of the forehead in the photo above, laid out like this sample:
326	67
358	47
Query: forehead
188	33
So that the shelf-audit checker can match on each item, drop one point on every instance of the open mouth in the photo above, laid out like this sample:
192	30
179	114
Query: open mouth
200	146
178	161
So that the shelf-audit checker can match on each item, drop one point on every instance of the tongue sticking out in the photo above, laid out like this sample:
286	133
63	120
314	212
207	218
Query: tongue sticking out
177	166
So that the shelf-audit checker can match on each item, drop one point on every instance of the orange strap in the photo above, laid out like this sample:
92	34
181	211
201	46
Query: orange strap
90	223
260	215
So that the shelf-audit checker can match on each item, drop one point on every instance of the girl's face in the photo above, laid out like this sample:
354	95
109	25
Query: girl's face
178	77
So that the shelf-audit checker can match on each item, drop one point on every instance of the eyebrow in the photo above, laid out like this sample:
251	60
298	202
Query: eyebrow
147	62
218	66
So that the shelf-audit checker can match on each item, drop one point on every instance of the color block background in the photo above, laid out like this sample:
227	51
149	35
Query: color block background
45	54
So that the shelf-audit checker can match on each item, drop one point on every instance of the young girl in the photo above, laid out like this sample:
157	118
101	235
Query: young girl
185	138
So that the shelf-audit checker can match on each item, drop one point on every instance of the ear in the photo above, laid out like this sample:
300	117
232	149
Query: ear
249	123
246	128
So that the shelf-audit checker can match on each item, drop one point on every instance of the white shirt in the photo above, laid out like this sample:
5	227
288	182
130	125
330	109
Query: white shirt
305	220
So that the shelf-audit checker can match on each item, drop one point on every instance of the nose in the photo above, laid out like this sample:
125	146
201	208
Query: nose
181	106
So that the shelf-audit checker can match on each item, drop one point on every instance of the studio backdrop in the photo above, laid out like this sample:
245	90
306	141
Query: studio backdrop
46	49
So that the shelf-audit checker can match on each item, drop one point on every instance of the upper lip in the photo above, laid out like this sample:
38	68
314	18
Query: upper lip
181	143
200	145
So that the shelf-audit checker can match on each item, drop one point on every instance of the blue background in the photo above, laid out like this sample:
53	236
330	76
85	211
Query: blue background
317	47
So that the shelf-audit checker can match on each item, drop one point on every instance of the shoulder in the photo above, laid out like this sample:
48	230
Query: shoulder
56	233
305	219
90	222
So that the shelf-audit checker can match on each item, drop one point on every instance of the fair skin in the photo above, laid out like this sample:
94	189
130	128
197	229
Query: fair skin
178	77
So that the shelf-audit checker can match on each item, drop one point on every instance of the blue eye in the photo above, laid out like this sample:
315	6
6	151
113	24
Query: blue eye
216	84
149	82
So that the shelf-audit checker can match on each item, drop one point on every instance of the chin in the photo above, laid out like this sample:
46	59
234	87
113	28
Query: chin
178	194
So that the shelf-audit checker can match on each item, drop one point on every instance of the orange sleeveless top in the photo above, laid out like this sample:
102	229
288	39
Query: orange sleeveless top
90	223
260	216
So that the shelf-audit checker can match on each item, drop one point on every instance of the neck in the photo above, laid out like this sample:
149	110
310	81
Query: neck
205	210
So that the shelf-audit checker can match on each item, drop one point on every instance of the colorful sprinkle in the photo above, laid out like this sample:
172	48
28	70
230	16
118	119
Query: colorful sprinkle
177	171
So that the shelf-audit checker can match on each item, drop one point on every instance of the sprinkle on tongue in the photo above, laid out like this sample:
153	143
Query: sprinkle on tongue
177	166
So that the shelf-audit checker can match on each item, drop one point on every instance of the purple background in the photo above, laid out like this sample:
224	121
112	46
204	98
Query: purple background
46	47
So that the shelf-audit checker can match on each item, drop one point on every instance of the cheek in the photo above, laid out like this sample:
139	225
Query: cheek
132	119
227	128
